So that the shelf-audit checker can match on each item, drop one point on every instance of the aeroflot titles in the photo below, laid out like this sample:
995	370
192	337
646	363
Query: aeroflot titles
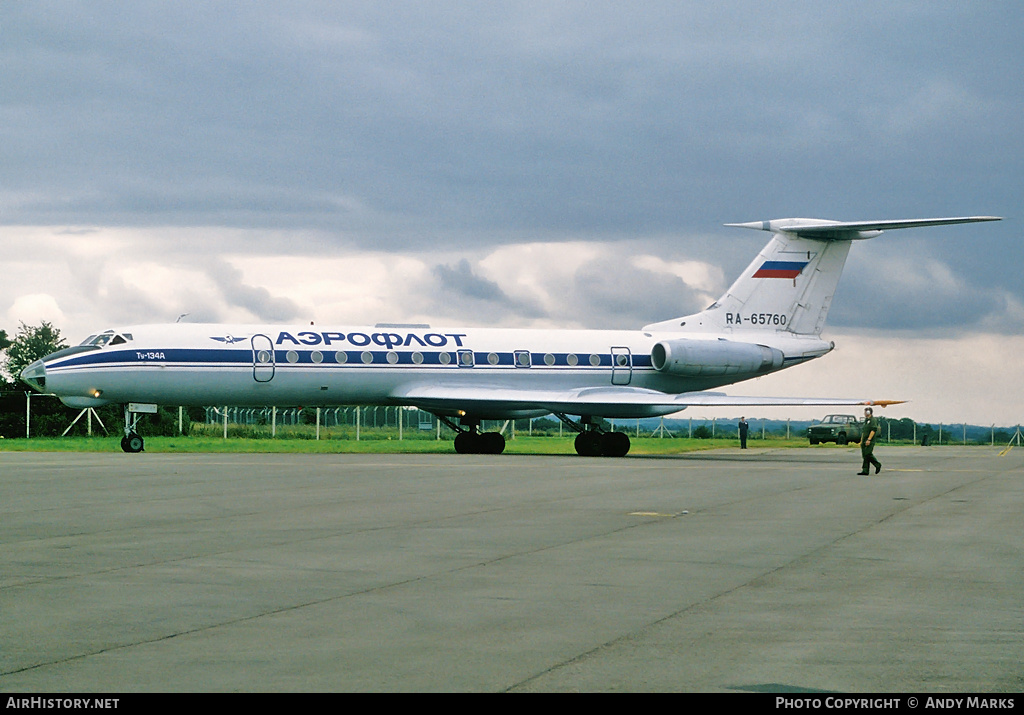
388	340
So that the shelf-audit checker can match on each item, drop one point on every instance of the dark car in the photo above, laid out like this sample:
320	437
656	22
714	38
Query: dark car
840	429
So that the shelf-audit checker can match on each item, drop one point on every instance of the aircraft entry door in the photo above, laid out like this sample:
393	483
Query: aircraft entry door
622	366
262	358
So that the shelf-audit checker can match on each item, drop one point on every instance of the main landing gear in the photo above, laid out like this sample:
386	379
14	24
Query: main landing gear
592	441
470	440
132	441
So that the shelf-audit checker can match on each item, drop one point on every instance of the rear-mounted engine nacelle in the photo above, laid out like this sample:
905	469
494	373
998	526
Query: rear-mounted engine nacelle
693	358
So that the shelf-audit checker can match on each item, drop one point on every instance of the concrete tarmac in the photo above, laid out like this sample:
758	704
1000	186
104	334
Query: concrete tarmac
758	571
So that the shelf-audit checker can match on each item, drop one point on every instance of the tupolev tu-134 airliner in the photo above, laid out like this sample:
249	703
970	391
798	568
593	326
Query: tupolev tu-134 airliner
771	318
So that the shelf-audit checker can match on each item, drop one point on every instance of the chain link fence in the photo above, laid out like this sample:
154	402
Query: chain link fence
27	414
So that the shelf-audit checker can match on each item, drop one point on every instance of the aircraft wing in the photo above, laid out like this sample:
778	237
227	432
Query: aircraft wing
610	401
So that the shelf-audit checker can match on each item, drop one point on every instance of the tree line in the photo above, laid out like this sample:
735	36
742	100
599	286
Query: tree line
29	343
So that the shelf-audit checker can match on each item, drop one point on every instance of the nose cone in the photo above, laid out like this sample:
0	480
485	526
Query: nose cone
35	375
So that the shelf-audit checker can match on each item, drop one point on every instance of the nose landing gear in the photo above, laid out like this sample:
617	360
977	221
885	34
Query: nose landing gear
132	441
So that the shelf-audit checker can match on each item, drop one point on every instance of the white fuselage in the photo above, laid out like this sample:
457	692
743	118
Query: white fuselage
190	364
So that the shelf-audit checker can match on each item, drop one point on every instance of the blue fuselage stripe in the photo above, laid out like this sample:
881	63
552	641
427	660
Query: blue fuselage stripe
329	358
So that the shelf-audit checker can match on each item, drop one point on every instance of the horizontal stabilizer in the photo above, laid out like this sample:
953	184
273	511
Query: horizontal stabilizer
846	230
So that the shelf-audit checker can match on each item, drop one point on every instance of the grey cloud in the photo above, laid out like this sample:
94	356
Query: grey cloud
460	281
577	116
602	293
475	298
920	293
258	301
611	293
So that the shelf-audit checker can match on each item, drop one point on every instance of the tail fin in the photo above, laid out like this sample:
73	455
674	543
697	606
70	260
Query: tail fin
789	286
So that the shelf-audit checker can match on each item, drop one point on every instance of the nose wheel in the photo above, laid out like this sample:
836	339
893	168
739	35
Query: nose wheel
132	441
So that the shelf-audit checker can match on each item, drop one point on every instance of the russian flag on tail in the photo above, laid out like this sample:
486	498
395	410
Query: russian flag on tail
780	269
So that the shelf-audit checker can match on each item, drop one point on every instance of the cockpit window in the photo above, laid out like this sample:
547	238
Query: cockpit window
106	338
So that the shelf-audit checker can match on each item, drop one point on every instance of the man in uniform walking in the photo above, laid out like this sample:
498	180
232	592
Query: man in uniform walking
868	434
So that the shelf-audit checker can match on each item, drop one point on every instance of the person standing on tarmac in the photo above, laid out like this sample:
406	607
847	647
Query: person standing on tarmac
868	434
743	432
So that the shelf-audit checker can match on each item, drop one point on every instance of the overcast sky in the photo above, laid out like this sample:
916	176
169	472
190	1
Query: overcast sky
560	164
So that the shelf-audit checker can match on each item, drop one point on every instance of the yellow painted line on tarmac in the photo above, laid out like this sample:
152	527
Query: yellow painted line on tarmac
654	513
1006	451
